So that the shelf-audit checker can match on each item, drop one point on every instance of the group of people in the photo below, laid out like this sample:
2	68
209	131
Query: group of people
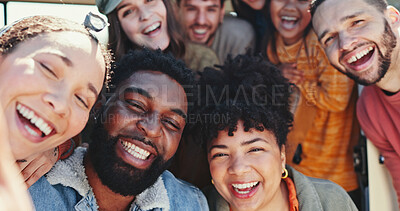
187	94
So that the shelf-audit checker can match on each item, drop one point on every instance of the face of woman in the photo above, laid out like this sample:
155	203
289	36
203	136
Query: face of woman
247	168
144	22
48	85
255	4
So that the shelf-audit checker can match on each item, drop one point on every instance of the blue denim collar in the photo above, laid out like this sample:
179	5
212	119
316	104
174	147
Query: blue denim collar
71	173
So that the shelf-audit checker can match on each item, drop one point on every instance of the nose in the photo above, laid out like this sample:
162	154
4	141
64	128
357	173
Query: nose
201	18
150	126
144	14
290	5
58	102
238	166
346	41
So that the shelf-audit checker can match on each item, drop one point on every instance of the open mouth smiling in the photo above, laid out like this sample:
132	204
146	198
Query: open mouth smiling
289	22
245	190
136	152
37	127
152	28
360	60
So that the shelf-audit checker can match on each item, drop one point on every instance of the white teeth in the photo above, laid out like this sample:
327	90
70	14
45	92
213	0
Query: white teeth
152	27
37	121
32	132
135	151
245	185
200	31
288	18
359	55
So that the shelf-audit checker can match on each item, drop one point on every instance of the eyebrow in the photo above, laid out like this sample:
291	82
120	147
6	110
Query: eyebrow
253	141
179	112
122	6
139	91
341	20
217	146
93	89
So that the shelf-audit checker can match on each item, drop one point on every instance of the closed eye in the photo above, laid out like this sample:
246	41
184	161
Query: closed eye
328	40
136	106
48	69
82	101
172	123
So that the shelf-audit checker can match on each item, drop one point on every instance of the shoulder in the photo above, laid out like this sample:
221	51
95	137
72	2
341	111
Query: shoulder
46	196
319	194
183	194
368	94
232	24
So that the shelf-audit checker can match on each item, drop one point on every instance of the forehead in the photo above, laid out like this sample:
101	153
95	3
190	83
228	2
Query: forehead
332	13
202	2
240	136
162	89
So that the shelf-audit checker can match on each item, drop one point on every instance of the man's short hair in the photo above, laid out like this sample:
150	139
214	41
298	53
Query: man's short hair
380	5
154	60
179	2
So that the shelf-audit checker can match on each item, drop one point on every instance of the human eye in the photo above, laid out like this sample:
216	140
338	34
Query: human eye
47	69
218	155
212	9
328	40
127	12
82	101
171	124
357	22
256	149
135	106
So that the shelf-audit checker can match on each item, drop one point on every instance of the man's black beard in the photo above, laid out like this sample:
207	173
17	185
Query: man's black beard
389	41
116	174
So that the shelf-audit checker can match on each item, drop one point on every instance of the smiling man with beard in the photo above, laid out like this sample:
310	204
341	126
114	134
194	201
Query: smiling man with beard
205	23
361	39
136	134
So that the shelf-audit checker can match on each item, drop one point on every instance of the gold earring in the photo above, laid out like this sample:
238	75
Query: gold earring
212	181
285	173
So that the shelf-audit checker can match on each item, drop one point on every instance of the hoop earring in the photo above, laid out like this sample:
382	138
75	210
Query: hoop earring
285	173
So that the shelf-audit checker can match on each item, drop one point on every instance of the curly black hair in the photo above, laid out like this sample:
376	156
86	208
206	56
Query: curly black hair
246	88
155	60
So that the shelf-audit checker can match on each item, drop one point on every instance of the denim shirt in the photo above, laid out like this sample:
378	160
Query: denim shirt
66	187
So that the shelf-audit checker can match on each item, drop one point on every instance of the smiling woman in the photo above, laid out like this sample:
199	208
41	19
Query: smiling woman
246	153
65	68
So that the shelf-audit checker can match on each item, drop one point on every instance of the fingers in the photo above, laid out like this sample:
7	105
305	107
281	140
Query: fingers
38	165
291	72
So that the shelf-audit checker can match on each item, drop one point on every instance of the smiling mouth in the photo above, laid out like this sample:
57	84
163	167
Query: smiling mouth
34	125
135	151
245	188
152	28
361	57
289	22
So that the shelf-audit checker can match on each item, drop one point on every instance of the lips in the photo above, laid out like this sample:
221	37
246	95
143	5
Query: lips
244	190
289	22
359	59
34	127
152	29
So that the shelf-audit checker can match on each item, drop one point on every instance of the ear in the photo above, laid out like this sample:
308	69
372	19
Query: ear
283	157
393	16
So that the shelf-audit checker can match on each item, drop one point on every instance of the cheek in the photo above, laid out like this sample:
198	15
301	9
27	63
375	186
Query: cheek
77	122
131	29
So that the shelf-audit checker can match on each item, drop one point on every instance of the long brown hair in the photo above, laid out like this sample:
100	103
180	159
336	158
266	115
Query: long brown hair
120	44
